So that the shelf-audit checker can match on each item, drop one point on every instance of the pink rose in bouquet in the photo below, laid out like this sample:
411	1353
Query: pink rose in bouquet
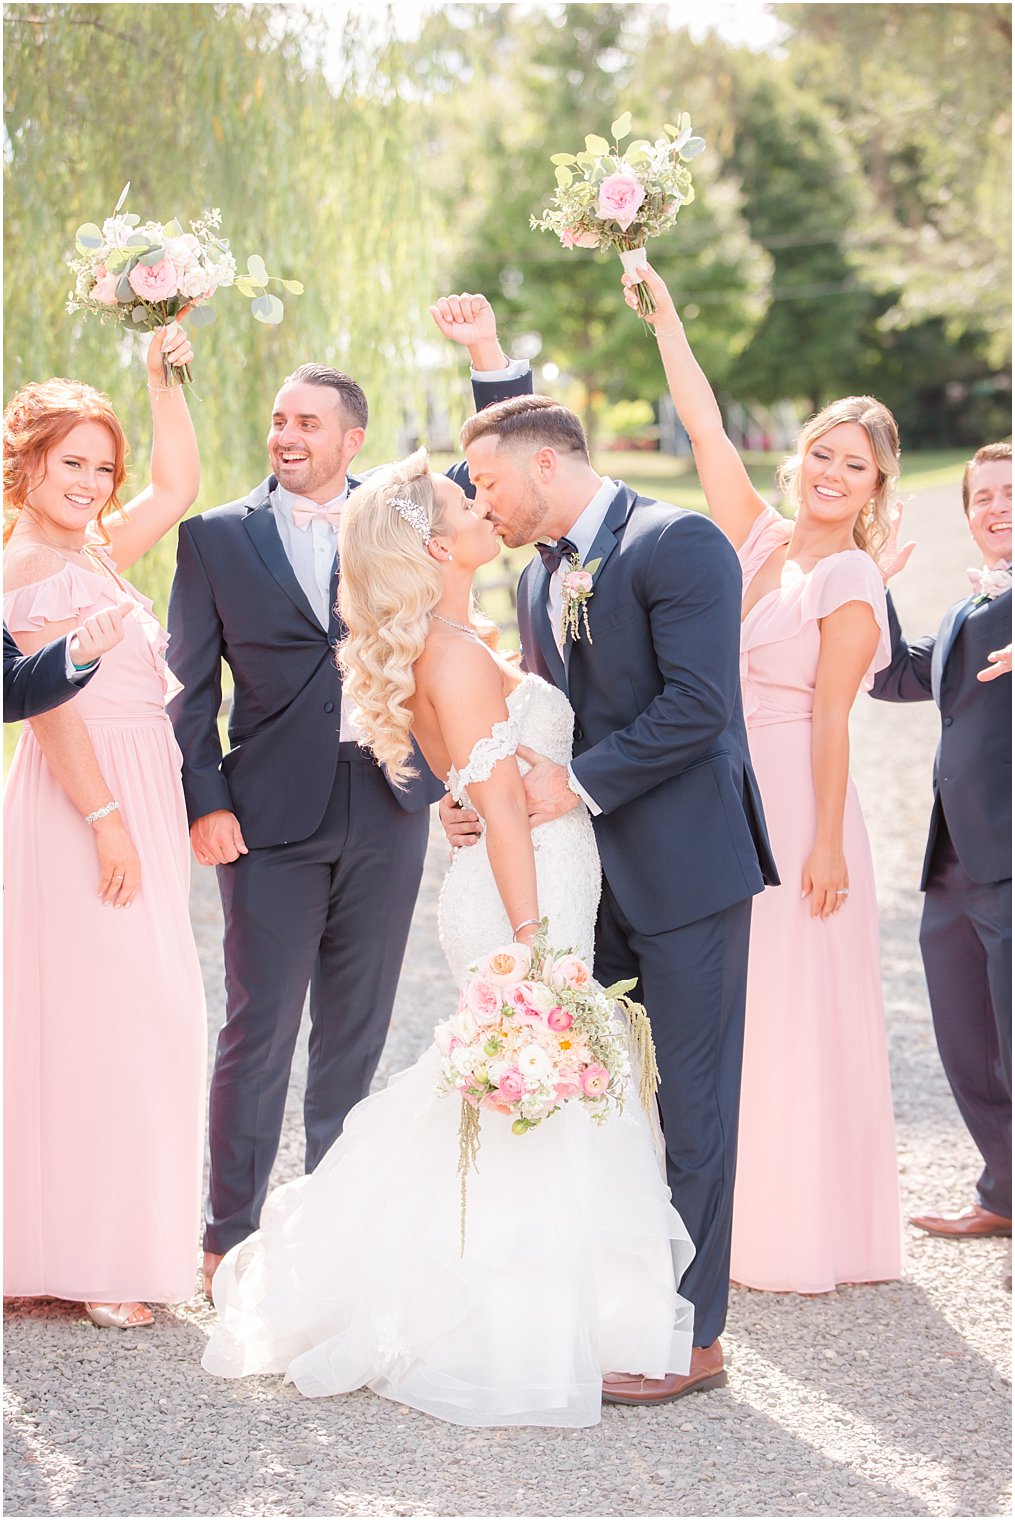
620	195
569	971
104	289
511	1085
154	282
595	1081
558	1019
571	239
507	965
485	1001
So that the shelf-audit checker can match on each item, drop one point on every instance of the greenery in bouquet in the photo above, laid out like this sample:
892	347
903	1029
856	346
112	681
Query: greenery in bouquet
606	198
146	275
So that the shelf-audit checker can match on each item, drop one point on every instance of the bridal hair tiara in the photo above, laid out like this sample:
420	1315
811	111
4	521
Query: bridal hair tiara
413	514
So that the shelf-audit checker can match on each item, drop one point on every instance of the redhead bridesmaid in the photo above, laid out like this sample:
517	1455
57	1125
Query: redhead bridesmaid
104	1042
816	1201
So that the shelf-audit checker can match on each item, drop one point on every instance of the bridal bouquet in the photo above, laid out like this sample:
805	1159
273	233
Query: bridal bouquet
609	199
145	274
532	1031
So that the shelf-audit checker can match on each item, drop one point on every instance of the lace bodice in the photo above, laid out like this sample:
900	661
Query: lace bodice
471	916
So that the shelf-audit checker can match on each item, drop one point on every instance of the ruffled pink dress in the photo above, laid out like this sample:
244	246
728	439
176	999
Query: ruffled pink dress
817	1195
104	1028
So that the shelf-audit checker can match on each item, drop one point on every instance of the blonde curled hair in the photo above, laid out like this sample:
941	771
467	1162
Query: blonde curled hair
871	529
389	587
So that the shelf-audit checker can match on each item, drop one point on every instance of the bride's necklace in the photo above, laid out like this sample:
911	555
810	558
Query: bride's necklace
462	627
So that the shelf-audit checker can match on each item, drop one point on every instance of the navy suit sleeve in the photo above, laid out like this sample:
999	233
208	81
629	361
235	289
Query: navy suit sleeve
196	646
907	678
485	393
36	683
693	592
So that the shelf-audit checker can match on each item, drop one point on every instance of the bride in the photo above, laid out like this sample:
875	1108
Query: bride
573	1251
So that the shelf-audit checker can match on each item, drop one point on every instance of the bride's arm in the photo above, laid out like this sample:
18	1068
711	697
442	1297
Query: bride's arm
466	694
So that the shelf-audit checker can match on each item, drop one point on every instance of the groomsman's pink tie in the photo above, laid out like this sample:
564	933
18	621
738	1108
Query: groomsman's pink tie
303	516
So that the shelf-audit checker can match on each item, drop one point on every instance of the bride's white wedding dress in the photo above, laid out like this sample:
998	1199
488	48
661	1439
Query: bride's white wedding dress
573	1249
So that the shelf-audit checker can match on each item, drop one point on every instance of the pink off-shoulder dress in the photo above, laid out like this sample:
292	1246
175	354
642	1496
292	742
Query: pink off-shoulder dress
104	1016
817	1195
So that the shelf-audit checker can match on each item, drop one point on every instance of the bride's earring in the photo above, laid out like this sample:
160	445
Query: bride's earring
871	512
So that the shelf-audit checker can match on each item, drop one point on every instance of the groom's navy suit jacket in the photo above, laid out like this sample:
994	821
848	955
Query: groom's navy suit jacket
36	683
660	742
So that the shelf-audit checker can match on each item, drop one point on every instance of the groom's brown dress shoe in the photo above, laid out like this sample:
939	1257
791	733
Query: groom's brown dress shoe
973	1223
211	1263
707	1371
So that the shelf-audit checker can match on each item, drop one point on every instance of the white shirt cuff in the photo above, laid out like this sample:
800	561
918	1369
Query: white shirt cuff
579	791
72	674
514	370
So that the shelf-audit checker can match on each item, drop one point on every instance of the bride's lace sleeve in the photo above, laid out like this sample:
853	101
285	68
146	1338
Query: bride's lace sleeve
502	741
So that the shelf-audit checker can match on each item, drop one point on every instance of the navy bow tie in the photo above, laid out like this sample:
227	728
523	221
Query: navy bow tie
552	554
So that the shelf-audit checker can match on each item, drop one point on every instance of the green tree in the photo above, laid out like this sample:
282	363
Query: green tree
222	105
505	89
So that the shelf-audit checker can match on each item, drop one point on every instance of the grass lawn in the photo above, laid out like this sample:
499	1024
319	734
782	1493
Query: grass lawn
668	479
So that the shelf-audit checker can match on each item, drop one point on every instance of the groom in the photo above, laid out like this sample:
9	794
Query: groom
319	858
660	758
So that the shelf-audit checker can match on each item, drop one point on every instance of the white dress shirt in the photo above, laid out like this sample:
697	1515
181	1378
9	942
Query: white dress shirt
583	535
310	548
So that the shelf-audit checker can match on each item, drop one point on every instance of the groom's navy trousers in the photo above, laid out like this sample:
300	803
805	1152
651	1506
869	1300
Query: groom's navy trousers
661	747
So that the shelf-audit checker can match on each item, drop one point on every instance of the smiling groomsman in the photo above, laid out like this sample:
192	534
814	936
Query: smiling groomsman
965	935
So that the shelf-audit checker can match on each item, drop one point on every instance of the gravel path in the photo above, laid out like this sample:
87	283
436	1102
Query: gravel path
885	1400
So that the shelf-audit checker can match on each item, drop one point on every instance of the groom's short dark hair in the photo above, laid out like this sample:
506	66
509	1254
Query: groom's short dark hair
354	403
538	421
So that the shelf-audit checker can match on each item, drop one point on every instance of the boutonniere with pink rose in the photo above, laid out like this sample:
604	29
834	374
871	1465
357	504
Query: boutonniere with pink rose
576	586
606	198
987	583
145	274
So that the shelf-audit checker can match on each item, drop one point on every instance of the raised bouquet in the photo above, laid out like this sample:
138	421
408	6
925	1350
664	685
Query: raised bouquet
534	1030
147	273
609	199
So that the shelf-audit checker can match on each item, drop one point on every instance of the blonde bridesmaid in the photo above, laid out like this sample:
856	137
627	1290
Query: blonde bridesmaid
816	1200
104	1044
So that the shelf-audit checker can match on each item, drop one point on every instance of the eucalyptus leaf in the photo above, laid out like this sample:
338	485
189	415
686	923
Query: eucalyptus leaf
88	236
124	289
115	260
173	228
671	129
151	257
248	287
267	309
563	158
138	240
622	126
257	269
132	220
585	160
123	197
564	176
201	316
294	287
596	145
692	147
138	315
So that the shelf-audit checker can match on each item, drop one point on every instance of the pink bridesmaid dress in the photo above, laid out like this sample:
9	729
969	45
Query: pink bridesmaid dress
817	1195
105	1037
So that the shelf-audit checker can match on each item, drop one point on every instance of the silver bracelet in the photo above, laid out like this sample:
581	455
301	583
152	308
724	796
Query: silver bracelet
524	925
102	812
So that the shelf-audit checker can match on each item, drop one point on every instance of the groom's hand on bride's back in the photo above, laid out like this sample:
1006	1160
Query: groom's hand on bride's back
461	825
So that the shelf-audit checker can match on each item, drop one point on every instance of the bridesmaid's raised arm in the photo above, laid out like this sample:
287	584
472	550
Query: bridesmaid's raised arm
733	503
175	464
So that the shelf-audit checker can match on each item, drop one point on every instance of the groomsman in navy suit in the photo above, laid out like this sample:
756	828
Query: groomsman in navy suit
661	760
319	859
36	683
965	935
